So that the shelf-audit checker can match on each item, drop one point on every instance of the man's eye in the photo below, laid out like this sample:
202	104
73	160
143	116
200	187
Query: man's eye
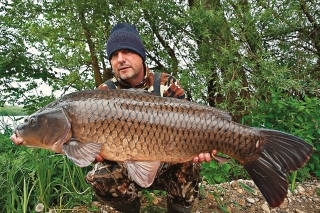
113	56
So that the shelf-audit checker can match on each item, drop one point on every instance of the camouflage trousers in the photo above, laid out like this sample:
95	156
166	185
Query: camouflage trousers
112	186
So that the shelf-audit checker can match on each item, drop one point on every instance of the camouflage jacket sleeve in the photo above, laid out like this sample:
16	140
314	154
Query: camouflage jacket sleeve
170	87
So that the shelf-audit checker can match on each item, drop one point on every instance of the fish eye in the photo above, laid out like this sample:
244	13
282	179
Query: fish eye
32	121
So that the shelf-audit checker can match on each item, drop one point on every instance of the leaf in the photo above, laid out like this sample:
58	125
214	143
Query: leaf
301	108
300	119
247	188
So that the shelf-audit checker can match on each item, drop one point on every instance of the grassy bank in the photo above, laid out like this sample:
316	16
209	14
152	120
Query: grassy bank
12	111
30	177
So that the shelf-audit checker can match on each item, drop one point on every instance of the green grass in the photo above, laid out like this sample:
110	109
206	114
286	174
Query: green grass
33	176
12	111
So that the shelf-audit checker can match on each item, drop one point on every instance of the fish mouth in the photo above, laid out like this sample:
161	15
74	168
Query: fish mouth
16	138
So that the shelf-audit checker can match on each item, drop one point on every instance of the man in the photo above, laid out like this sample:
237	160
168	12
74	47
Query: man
110	180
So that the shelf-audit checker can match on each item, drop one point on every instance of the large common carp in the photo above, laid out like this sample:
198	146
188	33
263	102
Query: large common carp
142	130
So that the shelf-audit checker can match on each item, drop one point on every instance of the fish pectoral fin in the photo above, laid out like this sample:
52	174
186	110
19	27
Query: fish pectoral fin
81	154
142	172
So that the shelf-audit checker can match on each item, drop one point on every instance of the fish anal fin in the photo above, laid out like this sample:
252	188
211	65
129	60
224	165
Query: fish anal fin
142	172
81	154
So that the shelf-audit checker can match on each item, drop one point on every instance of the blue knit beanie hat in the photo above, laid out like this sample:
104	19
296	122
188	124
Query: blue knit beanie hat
125	36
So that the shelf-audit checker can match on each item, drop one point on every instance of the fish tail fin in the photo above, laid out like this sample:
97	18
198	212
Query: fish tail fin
282	153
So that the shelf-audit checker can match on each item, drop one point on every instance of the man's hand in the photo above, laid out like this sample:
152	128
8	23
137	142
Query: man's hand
207	157
103	87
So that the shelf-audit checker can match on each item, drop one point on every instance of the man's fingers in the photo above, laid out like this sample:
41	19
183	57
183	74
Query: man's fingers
202	157
195	160
214	152
207	157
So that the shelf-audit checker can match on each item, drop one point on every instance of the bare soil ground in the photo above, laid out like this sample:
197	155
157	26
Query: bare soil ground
235	197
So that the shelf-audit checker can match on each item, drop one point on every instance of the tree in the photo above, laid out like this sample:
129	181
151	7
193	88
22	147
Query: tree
255	46
257	59
227	54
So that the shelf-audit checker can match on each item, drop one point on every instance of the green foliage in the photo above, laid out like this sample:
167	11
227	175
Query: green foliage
226	54
29	177
151	196
299	117
35	103
215	173
293	178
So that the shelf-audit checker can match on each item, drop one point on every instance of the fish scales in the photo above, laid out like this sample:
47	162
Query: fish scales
143	130
165	129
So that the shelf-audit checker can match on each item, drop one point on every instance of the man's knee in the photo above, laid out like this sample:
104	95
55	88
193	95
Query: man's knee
182	186
112	187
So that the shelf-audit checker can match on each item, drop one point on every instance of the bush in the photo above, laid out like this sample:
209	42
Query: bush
299	117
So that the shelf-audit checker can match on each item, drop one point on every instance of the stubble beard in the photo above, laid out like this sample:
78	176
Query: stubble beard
127	75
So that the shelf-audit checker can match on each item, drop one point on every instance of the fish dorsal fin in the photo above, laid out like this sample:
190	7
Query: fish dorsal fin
142	172
81	154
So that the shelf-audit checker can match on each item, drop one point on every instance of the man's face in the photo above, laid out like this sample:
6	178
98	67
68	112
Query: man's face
126	64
